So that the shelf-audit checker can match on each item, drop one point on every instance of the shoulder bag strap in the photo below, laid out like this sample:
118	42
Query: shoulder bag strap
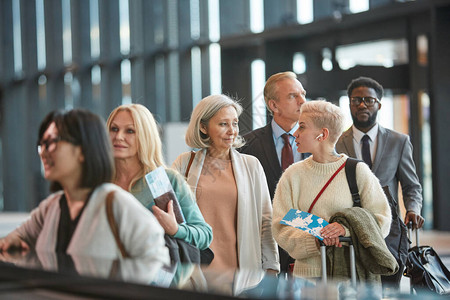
350	172
113	225
325	186
189	164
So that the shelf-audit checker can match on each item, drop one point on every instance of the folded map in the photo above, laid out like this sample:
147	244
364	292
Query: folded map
305	221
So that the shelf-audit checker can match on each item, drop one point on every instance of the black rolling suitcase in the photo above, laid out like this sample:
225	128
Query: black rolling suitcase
425	269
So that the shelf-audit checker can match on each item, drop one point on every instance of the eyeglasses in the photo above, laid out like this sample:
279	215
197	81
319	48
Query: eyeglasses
368	101
49	144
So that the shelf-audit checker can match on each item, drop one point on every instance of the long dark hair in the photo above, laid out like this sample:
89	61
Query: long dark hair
87	130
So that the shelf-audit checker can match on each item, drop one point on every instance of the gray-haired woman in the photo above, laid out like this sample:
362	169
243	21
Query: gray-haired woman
230	187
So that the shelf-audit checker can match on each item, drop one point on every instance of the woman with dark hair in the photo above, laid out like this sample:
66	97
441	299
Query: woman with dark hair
77	158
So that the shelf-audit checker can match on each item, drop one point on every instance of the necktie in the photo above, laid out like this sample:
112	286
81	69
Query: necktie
287	157
365	150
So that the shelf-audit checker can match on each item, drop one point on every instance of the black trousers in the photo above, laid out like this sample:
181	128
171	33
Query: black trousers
285	260
393	281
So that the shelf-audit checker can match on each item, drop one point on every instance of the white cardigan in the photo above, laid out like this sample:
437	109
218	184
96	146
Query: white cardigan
139	231
257	248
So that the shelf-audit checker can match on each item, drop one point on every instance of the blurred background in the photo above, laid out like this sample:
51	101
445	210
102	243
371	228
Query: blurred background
169	54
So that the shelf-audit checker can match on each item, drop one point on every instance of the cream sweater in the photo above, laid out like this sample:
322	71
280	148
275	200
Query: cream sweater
297	188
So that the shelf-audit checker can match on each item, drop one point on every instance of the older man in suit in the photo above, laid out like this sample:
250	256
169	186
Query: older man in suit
274	144
388	153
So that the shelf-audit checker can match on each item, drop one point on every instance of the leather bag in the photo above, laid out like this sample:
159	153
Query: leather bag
181	251
427	271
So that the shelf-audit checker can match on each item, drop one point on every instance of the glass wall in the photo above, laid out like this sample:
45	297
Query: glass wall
98	55
168	55
386	53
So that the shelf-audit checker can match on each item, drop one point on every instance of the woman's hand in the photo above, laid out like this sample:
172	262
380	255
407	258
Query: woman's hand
13	256
331	234
13	242
166	219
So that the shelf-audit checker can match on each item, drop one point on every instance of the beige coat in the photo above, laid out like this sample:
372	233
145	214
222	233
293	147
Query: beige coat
256	247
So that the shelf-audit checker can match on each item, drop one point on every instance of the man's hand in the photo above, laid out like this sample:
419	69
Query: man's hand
416	219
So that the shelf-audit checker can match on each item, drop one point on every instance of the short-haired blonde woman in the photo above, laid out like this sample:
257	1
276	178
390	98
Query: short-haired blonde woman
320	125
137	151
230	187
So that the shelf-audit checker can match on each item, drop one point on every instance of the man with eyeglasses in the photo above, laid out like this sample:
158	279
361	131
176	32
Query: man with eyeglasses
388	153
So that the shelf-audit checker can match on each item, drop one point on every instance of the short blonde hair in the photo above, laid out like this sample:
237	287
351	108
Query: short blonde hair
202	113
149	145
270	89
325	115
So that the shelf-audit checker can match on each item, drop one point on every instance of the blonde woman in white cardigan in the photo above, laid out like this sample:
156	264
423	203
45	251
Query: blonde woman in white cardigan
230	188
320	125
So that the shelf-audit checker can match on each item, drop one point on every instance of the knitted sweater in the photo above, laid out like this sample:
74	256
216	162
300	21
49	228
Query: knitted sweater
297	188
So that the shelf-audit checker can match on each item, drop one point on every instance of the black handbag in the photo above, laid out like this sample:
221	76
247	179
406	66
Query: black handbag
181	251
206	256
397	241
427	271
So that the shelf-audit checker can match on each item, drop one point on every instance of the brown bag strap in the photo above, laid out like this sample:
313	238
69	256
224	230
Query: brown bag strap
113	225
189	164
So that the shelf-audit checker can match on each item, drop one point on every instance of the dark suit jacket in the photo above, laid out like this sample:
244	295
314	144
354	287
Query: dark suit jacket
393	163
259	143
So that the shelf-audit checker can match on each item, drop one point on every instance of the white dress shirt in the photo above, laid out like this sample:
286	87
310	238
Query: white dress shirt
279	142
357	143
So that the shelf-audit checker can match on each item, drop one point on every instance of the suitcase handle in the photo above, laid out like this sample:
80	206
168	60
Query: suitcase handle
410	230
323	254
347	239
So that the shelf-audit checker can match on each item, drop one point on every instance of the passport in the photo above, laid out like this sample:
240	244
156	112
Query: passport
162	192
